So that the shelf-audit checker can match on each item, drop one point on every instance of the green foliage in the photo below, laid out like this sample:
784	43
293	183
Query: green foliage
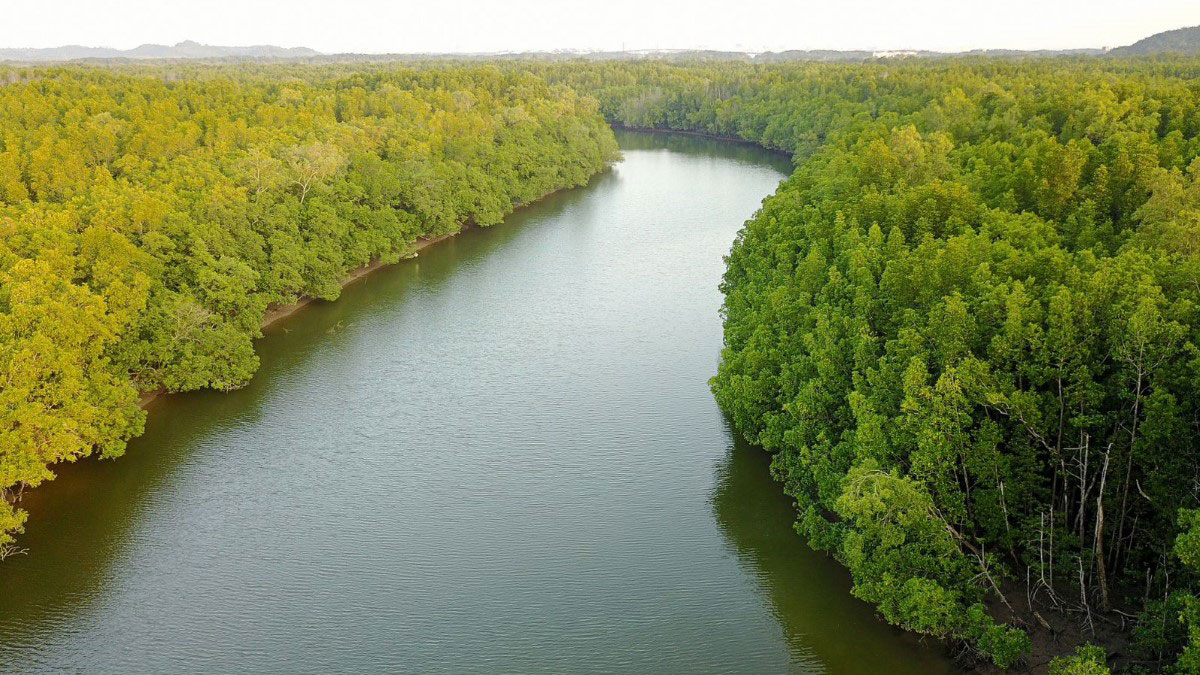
149	216
1087	660
904	558
1187	544
1168	630
1160	634
1187	547
1004	645
898	550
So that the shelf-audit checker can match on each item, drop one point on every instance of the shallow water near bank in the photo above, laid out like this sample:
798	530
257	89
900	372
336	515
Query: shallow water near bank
501	456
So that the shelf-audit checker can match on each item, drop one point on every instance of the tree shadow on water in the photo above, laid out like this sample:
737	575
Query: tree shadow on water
826	628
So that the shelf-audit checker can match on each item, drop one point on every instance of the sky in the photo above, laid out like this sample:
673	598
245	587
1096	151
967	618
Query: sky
408	26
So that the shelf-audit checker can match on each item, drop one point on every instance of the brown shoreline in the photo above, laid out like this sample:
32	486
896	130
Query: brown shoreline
277	312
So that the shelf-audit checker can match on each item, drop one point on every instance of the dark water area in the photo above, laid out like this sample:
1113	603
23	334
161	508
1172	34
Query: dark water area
502	456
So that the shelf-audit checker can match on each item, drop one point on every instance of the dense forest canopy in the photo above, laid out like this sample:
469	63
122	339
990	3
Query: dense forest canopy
150	215
967	328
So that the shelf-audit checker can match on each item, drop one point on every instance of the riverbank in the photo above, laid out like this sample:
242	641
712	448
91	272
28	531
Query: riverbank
276	313
704	134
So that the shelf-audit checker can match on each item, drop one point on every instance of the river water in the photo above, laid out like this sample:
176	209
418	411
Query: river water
501	456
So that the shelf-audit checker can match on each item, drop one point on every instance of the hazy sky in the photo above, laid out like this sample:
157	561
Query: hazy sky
479	25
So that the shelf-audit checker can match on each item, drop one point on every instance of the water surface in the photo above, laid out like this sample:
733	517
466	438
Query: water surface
502	456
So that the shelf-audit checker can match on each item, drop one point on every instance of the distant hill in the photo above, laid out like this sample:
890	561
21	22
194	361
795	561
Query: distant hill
184	50
1181	41
813	55
688	55
693	55
1178	41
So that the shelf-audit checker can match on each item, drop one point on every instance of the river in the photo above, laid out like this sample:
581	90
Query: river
501	456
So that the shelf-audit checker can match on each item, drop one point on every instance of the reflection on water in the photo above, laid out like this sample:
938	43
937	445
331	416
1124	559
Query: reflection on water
501	456
807	590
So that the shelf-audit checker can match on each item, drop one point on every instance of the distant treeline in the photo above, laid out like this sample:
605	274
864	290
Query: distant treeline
967	328
150	215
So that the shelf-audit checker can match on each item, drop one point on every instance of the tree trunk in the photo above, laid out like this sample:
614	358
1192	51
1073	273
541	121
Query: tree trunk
1101	573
